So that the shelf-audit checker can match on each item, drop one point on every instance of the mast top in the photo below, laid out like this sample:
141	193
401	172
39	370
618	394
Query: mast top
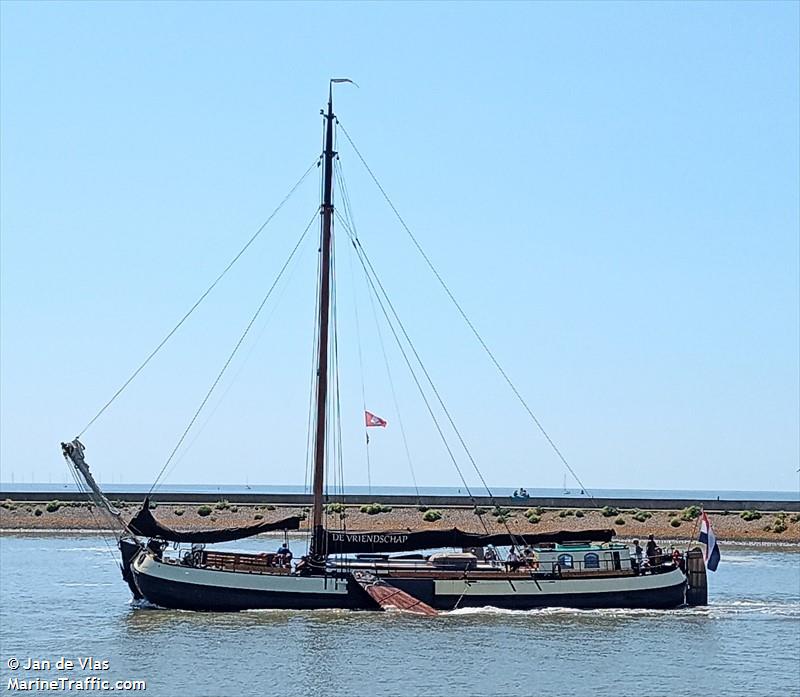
333	81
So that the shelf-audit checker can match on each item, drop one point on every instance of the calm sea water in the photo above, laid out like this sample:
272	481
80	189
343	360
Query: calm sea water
63	596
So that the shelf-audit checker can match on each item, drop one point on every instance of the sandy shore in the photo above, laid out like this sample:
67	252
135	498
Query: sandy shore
665	525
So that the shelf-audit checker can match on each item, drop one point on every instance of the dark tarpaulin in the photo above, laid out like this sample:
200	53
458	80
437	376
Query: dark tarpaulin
340	541
144	524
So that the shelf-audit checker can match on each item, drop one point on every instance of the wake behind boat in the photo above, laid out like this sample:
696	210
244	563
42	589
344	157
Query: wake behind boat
411	570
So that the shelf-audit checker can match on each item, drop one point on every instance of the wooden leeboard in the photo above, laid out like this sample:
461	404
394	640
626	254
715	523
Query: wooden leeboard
390	598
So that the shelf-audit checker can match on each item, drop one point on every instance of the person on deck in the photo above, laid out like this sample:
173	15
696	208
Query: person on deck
302	567
638	552
530	558
283	556
652	550
490	554
512	560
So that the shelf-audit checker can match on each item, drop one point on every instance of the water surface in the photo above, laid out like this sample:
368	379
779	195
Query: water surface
63	596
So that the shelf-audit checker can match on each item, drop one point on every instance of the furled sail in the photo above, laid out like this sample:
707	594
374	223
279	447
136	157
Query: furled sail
145	524
344	542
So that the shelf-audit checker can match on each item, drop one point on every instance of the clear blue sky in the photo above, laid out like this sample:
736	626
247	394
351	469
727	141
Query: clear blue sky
611	191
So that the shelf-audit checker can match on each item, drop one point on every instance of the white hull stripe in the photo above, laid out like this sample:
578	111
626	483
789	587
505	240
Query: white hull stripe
237	580
574	586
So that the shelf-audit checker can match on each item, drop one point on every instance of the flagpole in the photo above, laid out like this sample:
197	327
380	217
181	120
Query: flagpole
696	529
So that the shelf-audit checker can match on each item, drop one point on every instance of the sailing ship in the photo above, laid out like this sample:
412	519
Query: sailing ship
422	571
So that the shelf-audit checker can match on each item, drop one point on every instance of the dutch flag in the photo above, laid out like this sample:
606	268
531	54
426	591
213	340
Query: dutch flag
708	538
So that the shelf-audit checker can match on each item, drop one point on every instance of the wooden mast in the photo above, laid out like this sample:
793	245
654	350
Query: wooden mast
317	552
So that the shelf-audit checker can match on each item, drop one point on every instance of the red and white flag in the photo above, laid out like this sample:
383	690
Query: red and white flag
372	420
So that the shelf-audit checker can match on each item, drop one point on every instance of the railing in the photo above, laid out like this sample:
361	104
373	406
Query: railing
266	563
524	567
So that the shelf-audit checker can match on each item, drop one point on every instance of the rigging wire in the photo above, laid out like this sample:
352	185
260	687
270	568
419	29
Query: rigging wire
244	362
464	316
350	225
374	288
200	299
336	409
312	384
349	215
91	505
394	398
233	353
360	250
440	431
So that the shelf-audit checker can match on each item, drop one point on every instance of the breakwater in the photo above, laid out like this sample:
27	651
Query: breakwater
584	502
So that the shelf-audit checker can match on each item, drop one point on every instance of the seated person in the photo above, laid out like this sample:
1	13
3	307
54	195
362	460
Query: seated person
283	556
512	560
302	567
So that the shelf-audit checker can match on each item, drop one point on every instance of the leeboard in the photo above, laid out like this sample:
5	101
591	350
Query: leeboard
390	598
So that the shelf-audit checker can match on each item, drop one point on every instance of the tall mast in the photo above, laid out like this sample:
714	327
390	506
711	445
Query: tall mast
318	551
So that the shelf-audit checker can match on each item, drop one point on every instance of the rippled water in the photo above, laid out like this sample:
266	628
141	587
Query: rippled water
63	596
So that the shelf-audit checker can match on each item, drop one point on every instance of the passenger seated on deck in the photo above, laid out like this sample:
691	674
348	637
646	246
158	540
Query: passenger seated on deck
490	554
530	558
512	560
283	556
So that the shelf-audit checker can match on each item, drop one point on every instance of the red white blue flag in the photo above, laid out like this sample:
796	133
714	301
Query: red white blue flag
709	539
372	420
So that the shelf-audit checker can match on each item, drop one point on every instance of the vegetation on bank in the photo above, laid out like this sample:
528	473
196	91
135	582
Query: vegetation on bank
375	509
742	525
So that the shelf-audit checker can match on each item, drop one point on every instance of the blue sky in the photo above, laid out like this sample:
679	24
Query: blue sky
611	191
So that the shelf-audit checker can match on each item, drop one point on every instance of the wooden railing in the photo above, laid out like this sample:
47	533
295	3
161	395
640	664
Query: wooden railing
243	563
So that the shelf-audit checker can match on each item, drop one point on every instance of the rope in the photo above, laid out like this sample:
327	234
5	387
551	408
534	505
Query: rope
233	353
465	318
461	440
198	301
92	504
209	417
351	225
359	250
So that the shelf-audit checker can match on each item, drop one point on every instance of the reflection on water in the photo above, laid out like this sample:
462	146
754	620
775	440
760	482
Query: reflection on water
64	596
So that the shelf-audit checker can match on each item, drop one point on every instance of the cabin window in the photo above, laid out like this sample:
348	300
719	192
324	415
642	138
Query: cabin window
565	561
591	561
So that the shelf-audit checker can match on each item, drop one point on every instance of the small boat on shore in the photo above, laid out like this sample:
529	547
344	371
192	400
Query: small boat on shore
410	570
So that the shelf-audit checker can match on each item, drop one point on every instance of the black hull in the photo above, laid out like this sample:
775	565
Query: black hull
129	549
202	598
182	595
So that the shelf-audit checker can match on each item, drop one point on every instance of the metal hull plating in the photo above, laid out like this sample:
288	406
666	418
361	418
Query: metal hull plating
188	588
